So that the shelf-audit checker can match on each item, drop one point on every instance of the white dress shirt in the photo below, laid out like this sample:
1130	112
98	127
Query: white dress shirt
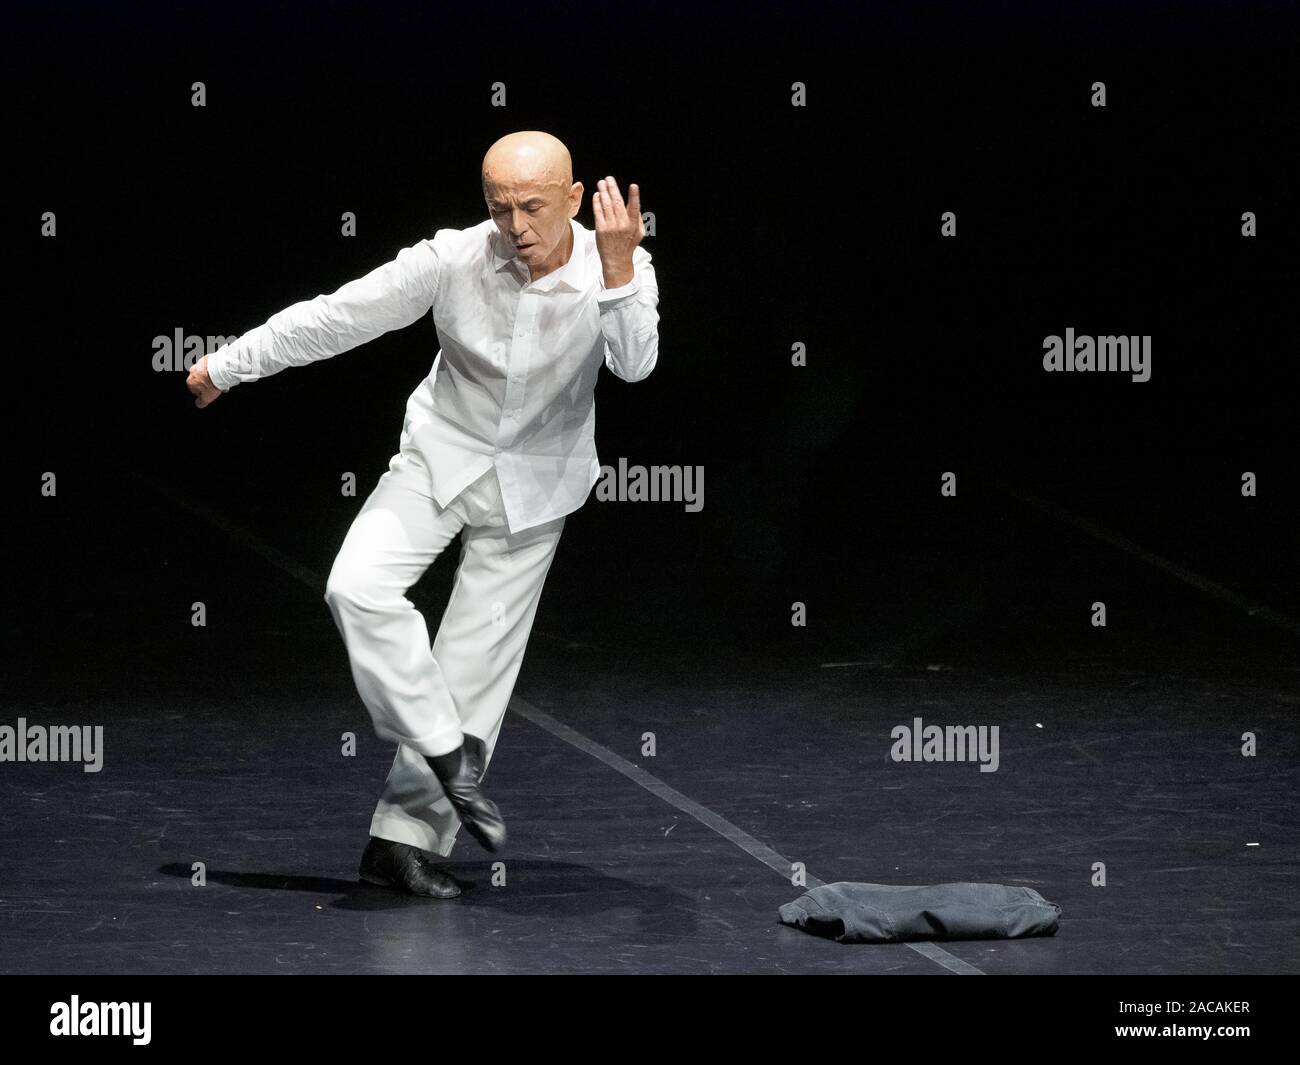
513	384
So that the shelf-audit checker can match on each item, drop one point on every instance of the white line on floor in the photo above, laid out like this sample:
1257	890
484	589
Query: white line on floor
1204	584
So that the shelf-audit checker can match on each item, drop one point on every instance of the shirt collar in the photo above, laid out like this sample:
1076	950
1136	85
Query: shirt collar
572	274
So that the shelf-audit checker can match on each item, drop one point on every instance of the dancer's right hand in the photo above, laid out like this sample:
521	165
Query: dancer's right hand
200	384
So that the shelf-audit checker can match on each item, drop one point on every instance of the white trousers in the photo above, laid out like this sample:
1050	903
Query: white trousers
425	697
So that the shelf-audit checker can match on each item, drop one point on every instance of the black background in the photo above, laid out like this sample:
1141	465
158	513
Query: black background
775	224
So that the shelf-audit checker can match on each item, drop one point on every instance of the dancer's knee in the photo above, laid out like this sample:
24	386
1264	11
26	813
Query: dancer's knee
352	586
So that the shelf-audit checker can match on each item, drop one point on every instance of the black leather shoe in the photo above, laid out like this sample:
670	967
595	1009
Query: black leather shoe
459	773
399	865
476	752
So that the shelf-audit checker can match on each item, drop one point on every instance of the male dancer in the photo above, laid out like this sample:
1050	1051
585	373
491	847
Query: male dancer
498	445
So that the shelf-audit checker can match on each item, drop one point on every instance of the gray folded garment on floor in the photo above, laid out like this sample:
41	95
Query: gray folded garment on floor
892	913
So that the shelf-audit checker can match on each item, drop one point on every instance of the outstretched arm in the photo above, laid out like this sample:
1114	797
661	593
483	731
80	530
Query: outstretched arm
390	297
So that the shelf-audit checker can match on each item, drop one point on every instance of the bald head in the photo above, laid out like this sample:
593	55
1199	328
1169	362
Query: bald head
531	195
529	155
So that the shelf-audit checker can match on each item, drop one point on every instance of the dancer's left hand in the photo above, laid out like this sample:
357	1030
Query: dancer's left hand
619	229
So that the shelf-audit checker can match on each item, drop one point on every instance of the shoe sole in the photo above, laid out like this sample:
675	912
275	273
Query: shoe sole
383	881
488	843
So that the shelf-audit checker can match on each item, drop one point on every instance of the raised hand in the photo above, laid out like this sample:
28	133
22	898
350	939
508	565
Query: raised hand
618	229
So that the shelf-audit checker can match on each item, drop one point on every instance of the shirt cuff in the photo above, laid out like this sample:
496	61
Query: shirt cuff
609	295
216	370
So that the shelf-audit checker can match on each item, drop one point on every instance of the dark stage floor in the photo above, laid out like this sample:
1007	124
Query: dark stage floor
222	746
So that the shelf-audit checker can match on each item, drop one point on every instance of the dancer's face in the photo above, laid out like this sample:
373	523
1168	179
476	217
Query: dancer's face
531	209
